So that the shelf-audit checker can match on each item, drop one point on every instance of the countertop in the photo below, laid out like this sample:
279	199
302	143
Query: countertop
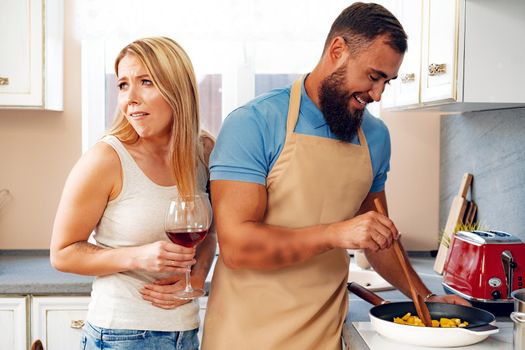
30	272
25	272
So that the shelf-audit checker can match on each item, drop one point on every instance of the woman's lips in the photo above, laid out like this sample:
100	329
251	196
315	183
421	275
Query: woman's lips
138	115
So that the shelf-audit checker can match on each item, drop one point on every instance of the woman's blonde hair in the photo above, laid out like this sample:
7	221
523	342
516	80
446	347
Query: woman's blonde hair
172	73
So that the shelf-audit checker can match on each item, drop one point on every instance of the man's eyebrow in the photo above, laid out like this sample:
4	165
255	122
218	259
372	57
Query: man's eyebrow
382	74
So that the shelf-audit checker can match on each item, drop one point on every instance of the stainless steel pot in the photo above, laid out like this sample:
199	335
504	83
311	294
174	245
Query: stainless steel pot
518	316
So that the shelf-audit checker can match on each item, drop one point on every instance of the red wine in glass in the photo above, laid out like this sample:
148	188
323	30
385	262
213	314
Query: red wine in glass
187	237
187	222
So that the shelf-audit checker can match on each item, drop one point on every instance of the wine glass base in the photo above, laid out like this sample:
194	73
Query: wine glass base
185	295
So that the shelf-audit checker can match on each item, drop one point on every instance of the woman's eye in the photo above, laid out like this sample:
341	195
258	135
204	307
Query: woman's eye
373	78
147	82
122	85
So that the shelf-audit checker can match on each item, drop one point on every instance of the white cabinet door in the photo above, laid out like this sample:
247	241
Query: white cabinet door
494	53
31	63
58	321
404	91
203	304
439	46
13	334
21	60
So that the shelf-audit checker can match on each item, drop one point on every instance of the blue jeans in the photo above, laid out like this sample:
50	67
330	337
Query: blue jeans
127	339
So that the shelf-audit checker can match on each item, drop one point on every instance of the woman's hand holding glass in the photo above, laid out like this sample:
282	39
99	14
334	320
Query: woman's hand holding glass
163	256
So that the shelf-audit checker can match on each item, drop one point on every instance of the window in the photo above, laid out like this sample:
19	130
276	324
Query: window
239	48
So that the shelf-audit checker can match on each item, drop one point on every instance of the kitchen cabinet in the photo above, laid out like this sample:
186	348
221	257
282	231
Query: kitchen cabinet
58	321
463	55
203	304
13	330
404	91
31	64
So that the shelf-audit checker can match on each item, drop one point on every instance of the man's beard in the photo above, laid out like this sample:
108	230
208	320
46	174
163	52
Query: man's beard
334	103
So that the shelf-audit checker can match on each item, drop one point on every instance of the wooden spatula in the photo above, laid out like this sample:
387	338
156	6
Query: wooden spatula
421	307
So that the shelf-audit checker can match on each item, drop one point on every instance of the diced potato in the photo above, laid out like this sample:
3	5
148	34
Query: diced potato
443	322
446	323
398	320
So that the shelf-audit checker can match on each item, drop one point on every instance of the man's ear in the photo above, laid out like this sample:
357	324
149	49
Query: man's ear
337	50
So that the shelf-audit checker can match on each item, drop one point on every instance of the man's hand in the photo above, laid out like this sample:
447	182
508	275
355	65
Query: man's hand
449	299
371	231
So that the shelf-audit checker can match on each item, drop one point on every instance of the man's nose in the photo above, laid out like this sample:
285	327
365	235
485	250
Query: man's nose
376	92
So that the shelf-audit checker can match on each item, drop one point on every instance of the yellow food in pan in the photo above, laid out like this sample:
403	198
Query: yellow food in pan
443	322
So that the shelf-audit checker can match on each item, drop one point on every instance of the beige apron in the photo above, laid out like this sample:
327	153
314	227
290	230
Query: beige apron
316	180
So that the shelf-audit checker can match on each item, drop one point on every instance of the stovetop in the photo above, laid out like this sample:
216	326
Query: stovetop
499	341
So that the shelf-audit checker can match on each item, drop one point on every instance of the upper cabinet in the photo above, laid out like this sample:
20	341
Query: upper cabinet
31	63
462	55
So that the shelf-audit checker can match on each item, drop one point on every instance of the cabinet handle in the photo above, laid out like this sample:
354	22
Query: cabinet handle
408	77
437	68
4	81
77	324
37	345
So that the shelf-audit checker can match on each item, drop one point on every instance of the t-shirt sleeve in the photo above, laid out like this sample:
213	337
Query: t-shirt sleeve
239	153
382	162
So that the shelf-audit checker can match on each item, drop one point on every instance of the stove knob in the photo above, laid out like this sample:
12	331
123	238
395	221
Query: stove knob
496	294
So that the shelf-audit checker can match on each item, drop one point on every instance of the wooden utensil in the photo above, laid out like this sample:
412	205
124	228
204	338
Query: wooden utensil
472	213
456	214
468	211
421	307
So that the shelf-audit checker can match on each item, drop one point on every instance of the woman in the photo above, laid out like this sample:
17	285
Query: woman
120	188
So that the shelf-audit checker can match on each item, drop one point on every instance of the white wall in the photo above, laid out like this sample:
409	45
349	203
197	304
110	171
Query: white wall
413	182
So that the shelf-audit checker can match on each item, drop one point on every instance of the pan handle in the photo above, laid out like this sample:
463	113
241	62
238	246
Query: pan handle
483	329
365	294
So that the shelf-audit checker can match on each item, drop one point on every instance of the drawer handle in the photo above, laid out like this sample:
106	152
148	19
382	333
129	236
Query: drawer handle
4	81
77	324
435	69
408	77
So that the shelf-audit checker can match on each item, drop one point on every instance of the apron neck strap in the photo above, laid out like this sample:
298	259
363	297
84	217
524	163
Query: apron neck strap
295	103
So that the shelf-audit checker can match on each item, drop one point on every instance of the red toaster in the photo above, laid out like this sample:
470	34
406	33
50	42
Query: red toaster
484	266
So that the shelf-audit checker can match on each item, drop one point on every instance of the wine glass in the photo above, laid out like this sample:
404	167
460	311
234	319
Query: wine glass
187	222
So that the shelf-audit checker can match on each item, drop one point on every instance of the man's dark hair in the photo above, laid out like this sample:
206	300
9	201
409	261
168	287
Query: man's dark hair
360	23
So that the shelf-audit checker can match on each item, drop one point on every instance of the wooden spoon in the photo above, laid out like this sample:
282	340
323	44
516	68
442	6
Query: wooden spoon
421	307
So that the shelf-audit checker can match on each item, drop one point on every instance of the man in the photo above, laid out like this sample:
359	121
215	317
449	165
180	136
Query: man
294	175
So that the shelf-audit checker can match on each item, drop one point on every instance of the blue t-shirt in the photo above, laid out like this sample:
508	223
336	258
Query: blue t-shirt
252	137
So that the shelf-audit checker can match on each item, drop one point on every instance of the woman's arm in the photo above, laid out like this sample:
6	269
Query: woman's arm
94	180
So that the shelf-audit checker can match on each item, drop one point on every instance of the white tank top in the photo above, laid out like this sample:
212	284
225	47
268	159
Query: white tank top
135	217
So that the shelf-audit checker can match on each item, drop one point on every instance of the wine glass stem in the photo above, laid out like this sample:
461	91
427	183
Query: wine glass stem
188	288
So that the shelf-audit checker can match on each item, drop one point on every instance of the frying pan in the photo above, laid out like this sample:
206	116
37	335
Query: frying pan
383	313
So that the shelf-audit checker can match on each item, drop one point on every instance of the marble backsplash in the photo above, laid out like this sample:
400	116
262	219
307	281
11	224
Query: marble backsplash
491	146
